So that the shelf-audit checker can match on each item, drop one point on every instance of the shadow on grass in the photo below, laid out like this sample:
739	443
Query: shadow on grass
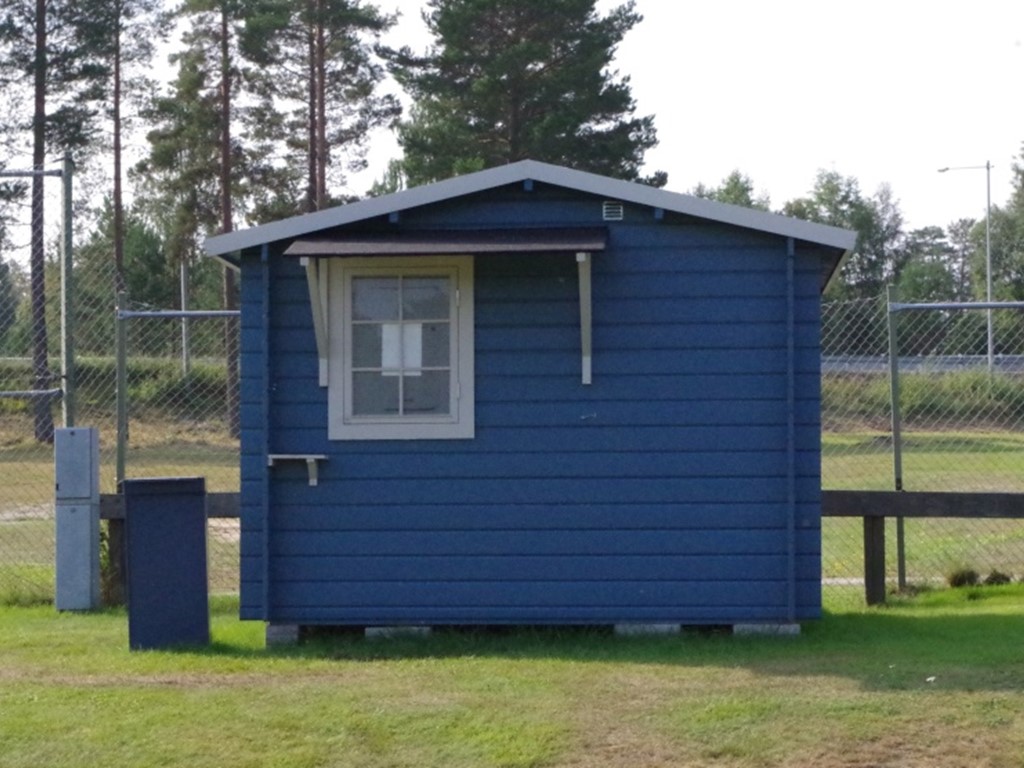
954	639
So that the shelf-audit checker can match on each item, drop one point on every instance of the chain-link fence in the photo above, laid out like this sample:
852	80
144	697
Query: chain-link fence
182	421
961	407
959	417
31	381
180	415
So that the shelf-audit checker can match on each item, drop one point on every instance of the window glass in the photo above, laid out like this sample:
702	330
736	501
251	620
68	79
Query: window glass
436	341
367	349
374	394
426	393
375	298
426	298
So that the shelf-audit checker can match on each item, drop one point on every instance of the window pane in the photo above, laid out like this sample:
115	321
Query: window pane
375	298
426	298
427	393
366	346
374	394
436	344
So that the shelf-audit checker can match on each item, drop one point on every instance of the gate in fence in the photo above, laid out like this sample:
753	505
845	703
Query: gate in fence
177	410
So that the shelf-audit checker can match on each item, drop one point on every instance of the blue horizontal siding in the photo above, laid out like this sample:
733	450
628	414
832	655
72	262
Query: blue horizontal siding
544	464
623	490
655	309
459	595
705	288
673	336
657	493
807	607
640	362
651	389
291	438
525	569
668	414
315	515
567	541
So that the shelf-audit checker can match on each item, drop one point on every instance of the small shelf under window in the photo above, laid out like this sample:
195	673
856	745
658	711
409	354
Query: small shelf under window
312	462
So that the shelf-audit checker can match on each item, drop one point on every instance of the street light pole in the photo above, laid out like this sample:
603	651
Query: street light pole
988	256
988	246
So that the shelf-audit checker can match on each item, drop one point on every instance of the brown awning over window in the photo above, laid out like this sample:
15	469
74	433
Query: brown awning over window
449	241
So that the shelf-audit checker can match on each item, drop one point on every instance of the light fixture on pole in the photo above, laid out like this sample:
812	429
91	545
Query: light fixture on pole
988	243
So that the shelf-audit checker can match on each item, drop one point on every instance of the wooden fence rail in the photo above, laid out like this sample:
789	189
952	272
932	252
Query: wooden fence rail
875	506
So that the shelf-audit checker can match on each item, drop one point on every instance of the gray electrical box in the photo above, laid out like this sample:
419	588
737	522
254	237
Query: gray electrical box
76	469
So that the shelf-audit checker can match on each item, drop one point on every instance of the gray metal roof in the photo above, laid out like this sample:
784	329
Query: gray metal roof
626	191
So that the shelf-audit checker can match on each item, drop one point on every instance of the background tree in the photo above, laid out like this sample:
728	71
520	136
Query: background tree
148	275
208	158
391	181
508	80
925	279
127	31
319	55
12	196
927	244
961	249
738	189
879	254
1007	237
179	177
10	298
49	48
1007	243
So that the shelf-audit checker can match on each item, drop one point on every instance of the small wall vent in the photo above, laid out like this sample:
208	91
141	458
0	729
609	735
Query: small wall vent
611	210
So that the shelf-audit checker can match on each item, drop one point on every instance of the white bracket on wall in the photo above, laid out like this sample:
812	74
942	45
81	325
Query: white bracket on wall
311	459
586	315
316	278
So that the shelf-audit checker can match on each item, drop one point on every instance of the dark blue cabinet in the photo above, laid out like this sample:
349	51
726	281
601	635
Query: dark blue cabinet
165	527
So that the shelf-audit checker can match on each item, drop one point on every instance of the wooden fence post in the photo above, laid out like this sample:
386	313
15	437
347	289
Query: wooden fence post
874	560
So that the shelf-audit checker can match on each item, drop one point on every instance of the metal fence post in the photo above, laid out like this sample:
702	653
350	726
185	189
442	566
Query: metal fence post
115	580
121	363
892	296
186	353
67	303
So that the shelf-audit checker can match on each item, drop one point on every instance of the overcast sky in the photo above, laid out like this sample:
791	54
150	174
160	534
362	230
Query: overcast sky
882	90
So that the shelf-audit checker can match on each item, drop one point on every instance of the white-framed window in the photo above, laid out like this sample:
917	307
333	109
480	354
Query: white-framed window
401	348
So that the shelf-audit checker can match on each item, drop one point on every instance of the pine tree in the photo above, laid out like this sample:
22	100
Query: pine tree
179	177
208	157
880	253
48	48
126	31
515	79
319	54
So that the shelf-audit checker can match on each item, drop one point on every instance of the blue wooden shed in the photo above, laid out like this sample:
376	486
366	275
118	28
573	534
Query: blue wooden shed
531	395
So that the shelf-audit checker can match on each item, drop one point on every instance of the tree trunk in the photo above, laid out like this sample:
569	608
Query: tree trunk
42	411
321	111
227	225
311	197
119	279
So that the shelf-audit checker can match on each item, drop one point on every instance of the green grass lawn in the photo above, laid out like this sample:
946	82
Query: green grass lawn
932	461
935	681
